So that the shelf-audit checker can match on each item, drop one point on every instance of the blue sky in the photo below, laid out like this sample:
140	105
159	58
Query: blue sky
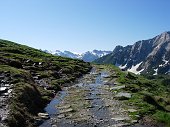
82	25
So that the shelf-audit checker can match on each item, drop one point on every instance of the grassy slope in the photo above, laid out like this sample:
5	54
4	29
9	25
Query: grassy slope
150	94
26	66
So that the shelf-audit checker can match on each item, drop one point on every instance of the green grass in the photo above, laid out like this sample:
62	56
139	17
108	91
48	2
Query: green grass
12	70
23	63
150	94
163	117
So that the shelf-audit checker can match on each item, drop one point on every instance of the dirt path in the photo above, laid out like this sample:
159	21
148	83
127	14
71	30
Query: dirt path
87	104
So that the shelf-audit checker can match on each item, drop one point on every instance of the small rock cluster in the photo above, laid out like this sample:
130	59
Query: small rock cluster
5	93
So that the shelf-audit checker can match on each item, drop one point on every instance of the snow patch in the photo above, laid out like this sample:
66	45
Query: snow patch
93	53
123	67
140	71
133	69
104	53
165	62
156	71
161	65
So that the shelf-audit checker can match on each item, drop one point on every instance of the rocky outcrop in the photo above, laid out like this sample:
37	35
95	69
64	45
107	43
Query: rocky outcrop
5	93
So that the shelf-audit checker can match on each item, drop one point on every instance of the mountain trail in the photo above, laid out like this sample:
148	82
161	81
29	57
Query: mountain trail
90	103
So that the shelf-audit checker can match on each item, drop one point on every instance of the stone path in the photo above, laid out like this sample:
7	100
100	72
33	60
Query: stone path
5	93
88	104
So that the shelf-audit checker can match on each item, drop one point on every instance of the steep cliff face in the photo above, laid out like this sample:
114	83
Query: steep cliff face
158	60
145	56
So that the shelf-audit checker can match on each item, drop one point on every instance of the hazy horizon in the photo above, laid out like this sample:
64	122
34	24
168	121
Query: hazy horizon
80	26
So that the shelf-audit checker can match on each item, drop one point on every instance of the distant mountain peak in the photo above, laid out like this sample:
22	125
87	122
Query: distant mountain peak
162	38
166	33
88	56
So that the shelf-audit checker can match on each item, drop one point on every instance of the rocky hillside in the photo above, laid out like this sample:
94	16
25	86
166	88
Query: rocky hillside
29	80
88	56
145	56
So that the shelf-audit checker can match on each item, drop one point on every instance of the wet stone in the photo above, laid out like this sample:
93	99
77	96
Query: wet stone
63	107
120	118
66	110
54	125
61	116
123	95
43	115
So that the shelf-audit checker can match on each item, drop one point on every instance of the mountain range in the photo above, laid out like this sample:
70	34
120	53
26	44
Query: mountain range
88	56
30	79
146	56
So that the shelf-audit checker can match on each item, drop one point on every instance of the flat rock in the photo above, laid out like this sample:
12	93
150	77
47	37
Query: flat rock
120	118
90	106
61	116
89	98
54	125
63	107
117	87
43	115
119	125
123	95
134	121
66	110
132	110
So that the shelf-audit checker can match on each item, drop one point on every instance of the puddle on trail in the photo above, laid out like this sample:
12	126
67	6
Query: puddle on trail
51	107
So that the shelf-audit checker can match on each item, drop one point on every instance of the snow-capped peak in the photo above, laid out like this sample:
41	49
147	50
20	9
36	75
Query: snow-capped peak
88	56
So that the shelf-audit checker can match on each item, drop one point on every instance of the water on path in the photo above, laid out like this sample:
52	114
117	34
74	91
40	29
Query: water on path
86	104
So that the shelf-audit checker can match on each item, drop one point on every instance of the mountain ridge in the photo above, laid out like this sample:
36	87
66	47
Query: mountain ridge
88	56
145	56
